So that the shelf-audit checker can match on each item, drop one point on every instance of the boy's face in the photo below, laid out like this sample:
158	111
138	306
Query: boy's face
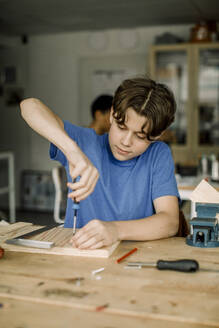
127	141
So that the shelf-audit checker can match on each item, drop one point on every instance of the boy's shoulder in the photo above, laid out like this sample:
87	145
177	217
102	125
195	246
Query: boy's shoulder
83	134
82	129
75	130
159	146
157	151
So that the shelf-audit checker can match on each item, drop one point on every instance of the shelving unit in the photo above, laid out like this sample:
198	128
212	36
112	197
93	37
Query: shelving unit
191	70
10	189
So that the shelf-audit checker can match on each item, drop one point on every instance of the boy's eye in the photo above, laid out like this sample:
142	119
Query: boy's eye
141	136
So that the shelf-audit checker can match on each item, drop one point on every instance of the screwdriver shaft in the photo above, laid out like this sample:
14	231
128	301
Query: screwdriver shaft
74	223
75	207
143	264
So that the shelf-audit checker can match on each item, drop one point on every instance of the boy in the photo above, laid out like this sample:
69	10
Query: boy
127	188
100	111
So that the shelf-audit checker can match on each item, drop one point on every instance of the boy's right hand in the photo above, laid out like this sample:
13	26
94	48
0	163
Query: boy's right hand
80	165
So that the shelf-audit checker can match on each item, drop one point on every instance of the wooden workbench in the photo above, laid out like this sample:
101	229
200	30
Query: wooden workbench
38	290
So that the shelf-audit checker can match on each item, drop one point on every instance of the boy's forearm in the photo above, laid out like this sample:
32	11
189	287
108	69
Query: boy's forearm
46	123
42	120
158	226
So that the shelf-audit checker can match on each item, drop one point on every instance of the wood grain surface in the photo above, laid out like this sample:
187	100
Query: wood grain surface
39	290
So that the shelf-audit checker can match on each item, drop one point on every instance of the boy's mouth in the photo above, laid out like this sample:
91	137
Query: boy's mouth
121	151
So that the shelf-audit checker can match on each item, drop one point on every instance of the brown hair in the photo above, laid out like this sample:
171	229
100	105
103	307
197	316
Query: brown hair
147	98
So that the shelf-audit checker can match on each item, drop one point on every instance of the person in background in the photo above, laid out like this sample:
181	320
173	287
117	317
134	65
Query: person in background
100	111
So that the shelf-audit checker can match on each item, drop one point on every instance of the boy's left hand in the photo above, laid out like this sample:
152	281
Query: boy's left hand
96	234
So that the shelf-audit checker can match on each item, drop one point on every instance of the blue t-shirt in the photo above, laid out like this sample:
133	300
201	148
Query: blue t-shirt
125	189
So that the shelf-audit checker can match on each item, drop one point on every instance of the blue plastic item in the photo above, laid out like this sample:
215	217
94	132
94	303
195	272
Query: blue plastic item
204	228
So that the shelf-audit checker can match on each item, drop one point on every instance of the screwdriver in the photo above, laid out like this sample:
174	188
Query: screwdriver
183	265
75	207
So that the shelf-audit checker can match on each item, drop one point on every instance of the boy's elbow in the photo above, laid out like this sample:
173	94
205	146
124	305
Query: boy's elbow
26	104
174	227
171	225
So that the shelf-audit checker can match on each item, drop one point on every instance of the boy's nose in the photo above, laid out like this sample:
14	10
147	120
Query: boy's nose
127	139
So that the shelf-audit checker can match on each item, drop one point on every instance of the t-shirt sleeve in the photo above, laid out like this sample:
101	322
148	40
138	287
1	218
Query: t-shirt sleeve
54	152
164	182
81	135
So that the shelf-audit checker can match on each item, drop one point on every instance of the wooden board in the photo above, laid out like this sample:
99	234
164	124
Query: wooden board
205	193
60	236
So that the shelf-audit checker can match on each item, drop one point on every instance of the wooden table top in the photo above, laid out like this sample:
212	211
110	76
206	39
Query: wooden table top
38	290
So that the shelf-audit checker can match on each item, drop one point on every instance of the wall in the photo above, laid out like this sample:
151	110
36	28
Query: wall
14	134
50	69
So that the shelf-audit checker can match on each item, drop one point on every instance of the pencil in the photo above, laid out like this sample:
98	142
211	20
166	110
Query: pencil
126	255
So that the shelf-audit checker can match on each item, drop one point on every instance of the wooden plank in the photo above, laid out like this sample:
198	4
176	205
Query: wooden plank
11	230
205	193
60	236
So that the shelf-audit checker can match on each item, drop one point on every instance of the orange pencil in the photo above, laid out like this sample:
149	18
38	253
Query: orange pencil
126	255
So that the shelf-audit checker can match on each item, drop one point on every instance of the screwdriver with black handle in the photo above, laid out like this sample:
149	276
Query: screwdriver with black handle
184	265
